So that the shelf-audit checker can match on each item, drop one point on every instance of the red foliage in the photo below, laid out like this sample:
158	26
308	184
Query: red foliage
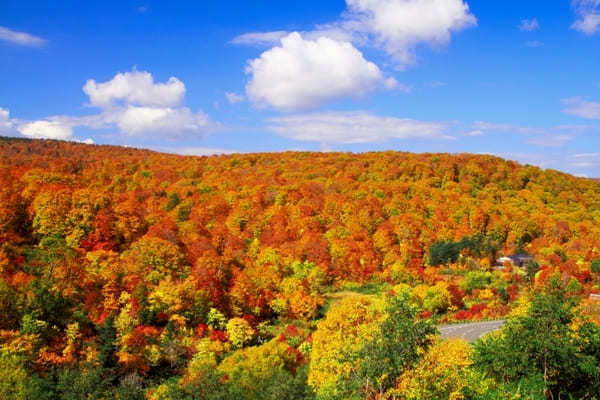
456	295
218	335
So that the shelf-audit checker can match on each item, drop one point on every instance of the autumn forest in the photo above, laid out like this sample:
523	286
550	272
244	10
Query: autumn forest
132	274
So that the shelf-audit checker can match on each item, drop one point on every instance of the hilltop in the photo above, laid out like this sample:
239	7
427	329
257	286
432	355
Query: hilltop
159	254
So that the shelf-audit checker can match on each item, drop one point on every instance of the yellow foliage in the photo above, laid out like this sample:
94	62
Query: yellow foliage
257	364
345	329
239	331
439	373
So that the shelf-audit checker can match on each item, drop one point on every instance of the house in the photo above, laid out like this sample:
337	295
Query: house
594	296
518	260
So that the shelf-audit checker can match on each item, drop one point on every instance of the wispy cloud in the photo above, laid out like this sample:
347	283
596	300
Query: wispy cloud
588	13
582	108
20	38
353	127
556	136
435	84
234	98
529	25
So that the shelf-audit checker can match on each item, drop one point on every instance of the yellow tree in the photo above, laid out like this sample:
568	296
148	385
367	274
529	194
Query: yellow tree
344	331
439	375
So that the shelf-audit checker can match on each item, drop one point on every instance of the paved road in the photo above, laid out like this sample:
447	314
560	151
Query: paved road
469	331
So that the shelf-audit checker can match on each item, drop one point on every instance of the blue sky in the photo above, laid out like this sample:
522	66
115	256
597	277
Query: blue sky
518	79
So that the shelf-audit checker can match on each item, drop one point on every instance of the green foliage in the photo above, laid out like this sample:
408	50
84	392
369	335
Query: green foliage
9	310
130	388
83	383
595	266
173	201
47	305
107	346
544	343
397	346
16	383
265	372
216	319
476	280
443	252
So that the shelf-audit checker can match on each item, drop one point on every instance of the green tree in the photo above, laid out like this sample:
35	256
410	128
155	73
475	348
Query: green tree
595	266
107	347
545	343
443	252
397	346
9	311
83	383
17	383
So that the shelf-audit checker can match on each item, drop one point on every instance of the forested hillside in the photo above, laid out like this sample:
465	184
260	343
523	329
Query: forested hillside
131	273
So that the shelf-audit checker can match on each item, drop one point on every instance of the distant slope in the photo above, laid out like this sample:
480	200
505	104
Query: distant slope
355	216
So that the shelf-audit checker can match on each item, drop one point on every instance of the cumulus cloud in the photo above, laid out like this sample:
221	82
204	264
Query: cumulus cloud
135	87
529	25
138	106
52	128
582	108
20	38
353	127
588	14
302	74
136	121
396	26
131	102
234	98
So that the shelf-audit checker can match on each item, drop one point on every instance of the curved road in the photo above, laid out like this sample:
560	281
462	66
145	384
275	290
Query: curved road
470	331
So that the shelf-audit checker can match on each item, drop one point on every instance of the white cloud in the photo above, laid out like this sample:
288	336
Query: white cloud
551	140
130	102
302	74
352	127
475	132
556	136
482	127
52	128
234	98
333	31
260	38
585	160
588	13
582	108
135	87
7	125
398	26
138	106
529	25
20	38
174	122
